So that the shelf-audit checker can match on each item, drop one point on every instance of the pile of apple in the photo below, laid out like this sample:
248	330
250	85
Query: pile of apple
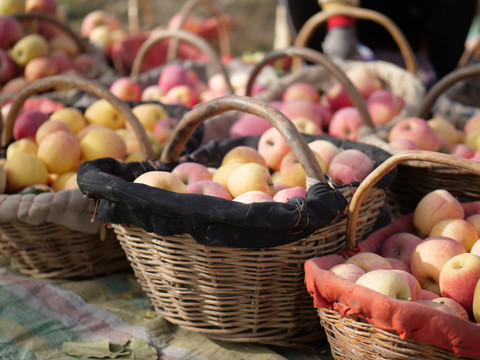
48	148
32	50
331	112
269	173
438	264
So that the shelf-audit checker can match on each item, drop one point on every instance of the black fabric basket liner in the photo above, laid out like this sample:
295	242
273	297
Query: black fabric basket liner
208	219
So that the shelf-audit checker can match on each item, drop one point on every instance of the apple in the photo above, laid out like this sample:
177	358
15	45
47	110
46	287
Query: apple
11	31
181	95
126	89
253	196
286	194
472	123
349	166
217	84
398	264
445	129
190	172
8	7
384	106
345	123
27	123
149	114
24	145
71	116
163	129
173	75
61	180
98	18
86	65
428	258
63	42
60	151
61	60
132	143
24	170
48	127
350	272
102	142
404	144
476	303
459	277
8	69
102	112
364	79
272	146
223	172
101	38
39	67
439	306
418	131
249	124
301	90
337	97
45	6
415	288
244	154
462	150
326	149
29	47
369	261
400	246
303	108
152	93
386	282
307	126
292	172
457	229
3	179
163	180
209	187
429	295
454	305
476	248
14	86
433	207
248	177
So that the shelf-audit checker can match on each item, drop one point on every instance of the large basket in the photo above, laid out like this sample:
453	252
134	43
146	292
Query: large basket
54	235
220	278
415	179
363	324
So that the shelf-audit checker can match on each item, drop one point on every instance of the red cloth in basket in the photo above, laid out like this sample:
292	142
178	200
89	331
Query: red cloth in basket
407	319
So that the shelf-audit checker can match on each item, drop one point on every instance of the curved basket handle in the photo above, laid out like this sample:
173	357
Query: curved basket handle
47	83
365	14
192	119
81	43
133	15
315	57
388	165
444	84
185	11
191	38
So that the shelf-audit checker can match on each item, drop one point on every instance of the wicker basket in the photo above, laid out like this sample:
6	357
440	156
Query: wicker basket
51	235
232	293
357	334
415	179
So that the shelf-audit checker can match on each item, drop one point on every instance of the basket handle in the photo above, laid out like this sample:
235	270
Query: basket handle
223	35
191	38
444	84
81	43
192	119
90	86
311	24
133	14
315	57
388	165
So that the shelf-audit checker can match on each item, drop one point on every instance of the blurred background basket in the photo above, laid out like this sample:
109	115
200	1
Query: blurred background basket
244	286
355	328
54	234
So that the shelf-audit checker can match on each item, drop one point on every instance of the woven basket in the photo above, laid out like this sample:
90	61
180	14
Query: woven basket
415	179
238	294
354	336
51	235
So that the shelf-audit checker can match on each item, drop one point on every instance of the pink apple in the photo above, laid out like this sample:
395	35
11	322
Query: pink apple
27	123
349	166
459	277
369	261
273	147
98	18
173	75
286	194
45	6
417	130
457	229
383	106
462	150
476	248
439	306
86	65
404	144
61	60
429	257
455	305
296	108
415	288
400	246
190	172
39	67
8	69
181	95
301	90
253	196
126	89
350	272
13	86
429	295
326	149
209	187
472	123
337	97
364	79
386	282
152	93
307	126
345	123
163	180
398	264
164	128
249	124
11	31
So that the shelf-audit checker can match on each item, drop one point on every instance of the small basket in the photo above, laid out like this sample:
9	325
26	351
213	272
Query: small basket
53	235
350	315
218	277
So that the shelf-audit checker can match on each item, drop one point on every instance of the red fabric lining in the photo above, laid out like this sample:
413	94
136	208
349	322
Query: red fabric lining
340	20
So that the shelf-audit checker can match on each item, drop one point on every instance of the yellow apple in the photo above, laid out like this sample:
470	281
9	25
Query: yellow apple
132	144
8	7
223	172
248	177
445	129
61	180
135	156
24	170
60	151
163	180
242	155
102	112
71	116
102	142
49	127
149	114
24	145
293	173
472	139
29	47
456	229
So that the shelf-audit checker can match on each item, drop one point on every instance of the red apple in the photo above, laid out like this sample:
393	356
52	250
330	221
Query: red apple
8	69
400	246
462	150
249	124
398	264
190	172
383	106
209	187
296	108
286	194
273	147
404	144
164	128
416	130
173	75
349	166
439	306
345	123
455	305
27	123
61	60
45	6
181	95
98	18
38	68
86	65
301	90
126	89
429	295
11	31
